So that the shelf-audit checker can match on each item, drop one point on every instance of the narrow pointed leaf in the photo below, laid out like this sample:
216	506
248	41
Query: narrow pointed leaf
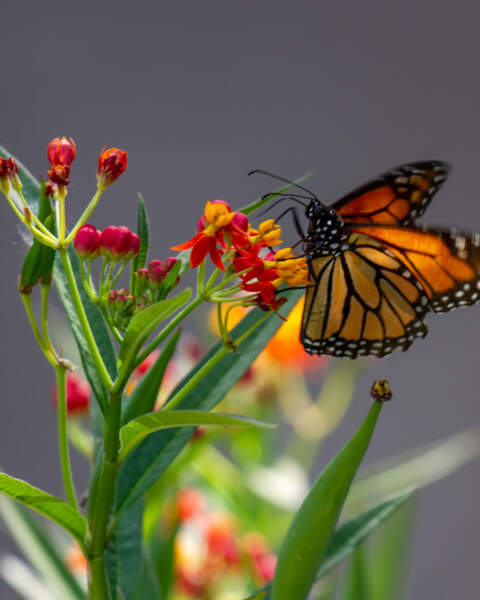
47	505
357	584
418	468
138	429
389	554
145	322
148	461
142	399
39	549
124	552
308	536
143	231
354	532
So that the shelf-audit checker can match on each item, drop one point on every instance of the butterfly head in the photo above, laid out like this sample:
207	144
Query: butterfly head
326	228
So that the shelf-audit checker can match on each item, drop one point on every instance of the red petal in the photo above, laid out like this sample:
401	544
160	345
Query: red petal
200	250
216	256
189	244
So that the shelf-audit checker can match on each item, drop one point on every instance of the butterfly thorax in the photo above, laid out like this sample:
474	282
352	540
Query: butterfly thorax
327	232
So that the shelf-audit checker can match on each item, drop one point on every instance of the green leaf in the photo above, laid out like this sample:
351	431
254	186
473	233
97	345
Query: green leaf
357	584
254	206
138	429
354	531
145	322
418	468
387	578
124	552
143	231
39	550
142	399
38	263
145	464
47	505
305	544
99	330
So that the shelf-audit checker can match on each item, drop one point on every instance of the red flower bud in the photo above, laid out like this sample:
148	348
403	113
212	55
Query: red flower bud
59	174
8	168
61	151
87	242
111	164
78	394
50	189
119	243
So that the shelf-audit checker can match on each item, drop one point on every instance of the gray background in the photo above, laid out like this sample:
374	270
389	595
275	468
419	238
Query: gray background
199	93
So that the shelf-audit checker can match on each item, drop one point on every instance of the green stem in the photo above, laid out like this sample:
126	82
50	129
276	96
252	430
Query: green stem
208	366
41	237
87	332
84	217
61	374
44	291
105	494
169	328
35	219
119	272
201	278
52	359
98	588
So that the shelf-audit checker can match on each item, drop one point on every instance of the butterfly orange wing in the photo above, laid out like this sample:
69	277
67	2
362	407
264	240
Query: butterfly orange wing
362	301
446	263
396	197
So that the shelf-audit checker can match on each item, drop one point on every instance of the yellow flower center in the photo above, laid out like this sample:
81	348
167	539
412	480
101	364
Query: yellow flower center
217	216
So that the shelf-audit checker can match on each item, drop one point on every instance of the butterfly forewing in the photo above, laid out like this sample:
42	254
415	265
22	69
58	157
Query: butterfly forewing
396	197
446	263
362	301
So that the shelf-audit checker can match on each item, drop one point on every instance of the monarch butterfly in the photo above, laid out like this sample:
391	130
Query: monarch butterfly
374	274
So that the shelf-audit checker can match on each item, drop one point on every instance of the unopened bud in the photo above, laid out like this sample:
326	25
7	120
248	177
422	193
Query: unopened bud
87	242
111	164
61	151
119	243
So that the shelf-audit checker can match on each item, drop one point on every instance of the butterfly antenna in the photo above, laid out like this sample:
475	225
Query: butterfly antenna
301	187
278	202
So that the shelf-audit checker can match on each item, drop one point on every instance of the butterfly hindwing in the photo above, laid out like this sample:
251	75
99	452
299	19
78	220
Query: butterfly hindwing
396	197
446	263
362	301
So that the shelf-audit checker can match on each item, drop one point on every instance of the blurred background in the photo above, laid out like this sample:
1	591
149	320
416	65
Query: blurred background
199	93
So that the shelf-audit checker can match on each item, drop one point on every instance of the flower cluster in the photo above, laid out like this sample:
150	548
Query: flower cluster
209	551
152	278
232	243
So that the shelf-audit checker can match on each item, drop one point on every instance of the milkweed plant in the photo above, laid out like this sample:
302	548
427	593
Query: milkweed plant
204	461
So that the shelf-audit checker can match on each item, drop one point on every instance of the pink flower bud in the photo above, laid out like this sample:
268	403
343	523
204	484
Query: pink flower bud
169	263
87	242
119	243
241	221
156	272
78	394
111	164
61	151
